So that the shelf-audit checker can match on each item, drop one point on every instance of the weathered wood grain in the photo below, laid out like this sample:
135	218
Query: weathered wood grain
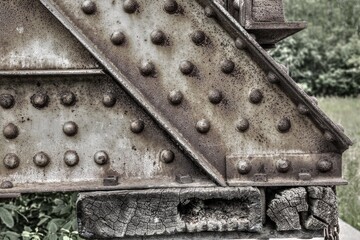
169	211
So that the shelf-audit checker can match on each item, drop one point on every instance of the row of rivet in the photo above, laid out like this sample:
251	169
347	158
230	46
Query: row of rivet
71	158
130	6
41	100
283	166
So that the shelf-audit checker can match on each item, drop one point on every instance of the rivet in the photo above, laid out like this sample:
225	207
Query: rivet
186	67
39	100
329	136
236	4
183	179
253	36
215	96
101	157
175	97
242	125
70	128
227	66
11	131
11	161
130	6
6	184
137	126
272	78
209	12
284	125
71	158
68	98
255	96
7	101
283	165
240	44
198	37
167	156
88	7
158	37
147	68
324	165
171	6
341	127
244	167
203	126
41	159
109	99
314	100
303	109
118	38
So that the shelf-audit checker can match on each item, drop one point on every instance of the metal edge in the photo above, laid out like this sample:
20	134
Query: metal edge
49	72
268	63
184	144
282	183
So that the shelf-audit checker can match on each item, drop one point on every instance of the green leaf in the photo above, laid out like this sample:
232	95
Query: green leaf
6	217
52	237
52	227
11	235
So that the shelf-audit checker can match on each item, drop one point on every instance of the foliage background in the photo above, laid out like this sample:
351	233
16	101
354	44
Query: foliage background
324	59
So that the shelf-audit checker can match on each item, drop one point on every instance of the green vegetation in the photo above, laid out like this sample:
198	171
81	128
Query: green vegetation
346	111
325	57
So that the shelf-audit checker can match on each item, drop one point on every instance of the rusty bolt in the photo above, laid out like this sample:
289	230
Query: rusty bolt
227	66
242	125
236	4
167	156
183	179
324	165
6	184
118	38
215	96
11	161
109	99
240	44
137	126
147	68
71	158
209	12
303	109
39	100
329	136
203	126
158	37
198	37
175	97
171	6
284	125
70	128
68	98
272	78
41	159
283	165
88	7
7	101
255	96
244	167
101	157
186	67
11	131
130	6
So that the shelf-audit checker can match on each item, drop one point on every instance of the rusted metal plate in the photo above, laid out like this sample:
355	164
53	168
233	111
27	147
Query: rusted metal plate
31	38
205	102
73	133
284	170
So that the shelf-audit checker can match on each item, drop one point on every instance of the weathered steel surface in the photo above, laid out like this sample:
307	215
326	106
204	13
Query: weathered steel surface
31	38
49	116
169	211
263	18
284	170
204	102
